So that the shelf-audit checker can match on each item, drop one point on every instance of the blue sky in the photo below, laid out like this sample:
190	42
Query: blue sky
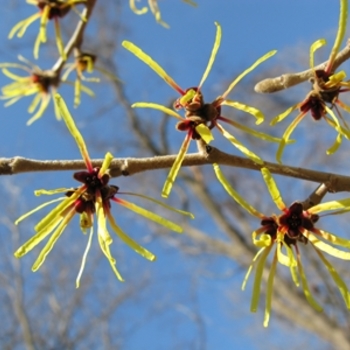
250	29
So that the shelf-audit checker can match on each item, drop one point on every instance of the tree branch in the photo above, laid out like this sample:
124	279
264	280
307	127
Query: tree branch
131	166
288	80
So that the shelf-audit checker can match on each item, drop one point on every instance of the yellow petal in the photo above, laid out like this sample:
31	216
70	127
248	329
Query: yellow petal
204	133
238	198
83	261
340	34
59	209
273	189
104	238
257	281
248	70
239	145
326	247
150	215
286	135
334	148
269	291
336	278
24	216
133	7
68	119
59	41
315	46
245	280
152	64
160	203
212	55
51	242
333	238
283	115
332	205
21	27
175	167
105	165
161	108
306	289
259	116
45	100
129	241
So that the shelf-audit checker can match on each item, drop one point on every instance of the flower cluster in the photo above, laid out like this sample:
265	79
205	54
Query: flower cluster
201	117
92	198
326	87
48	10
284	232
41	84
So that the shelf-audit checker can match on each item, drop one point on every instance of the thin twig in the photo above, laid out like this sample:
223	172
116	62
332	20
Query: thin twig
288	80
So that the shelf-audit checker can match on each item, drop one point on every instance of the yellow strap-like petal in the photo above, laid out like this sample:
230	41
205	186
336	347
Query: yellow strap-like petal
45	100
239	145
105	165
53	239
204	133
273	189
246	277
152	64
159	203
248	70
133	7
257	281
326	247
306	289
340	34
332	205
283	115
212	55
83	260
150	215
336	278
68	119
175	167
334	148
234	194
161	108
333	238
129	241
269	291
259	116
315	46
24	216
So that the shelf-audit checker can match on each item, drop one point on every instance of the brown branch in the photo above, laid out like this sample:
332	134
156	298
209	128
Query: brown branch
131	166
77	37
288	80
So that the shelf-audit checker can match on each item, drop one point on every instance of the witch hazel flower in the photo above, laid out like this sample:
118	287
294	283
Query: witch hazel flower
324	95
282	234
41	84
48	10
84	63
201	117
92	199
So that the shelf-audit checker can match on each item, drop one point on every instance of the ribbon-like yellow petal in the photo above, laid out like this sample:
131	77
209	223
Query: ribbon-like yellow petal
212	55
175	167
152	64
204	133
315	46
248	70
332	205
149	215
161	108
83	260
340	34
273	189
68	119
283	115
234	194
259	116
269	291
129	241
239	145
